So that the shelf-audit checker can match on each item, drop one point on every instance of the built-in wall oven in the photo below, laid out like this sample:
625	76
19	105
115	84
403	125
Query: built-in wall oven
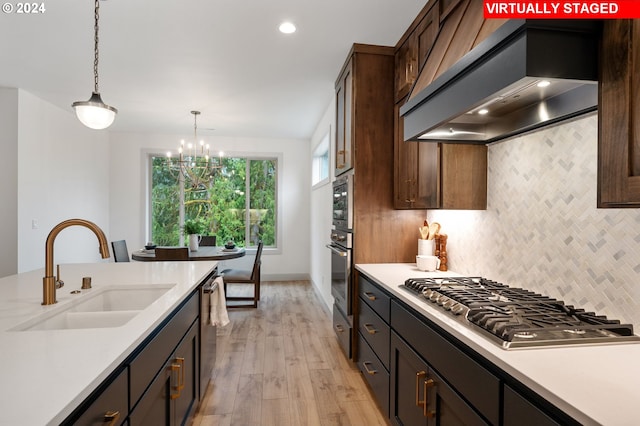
341	260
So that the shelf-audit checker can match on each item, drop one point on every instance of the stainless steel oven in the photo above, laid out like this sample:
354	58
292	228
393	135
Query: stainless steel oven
341	269
341	260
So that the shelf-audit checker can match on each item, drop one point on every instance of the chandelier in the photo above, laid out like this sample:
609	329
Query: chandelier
194	166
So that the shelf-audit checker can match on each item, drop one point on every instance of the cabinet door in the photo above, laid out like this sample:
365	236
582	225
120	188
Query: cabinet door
619	115
344	111
416	171
186	357
419	396
173	392
408	375
154	407
110	407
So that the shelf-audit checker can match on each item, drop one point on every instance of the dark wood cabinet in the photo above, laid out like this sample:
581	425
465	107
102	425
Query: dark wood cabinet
431	175
414	48
158	384
364	124
419	396
374	339
619	115
173	391
110	406
344	112
520	412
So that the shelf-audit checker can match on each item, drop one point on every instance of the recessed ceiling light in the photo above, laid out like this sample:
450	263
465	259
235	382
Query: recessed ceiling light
543	83
483	111
287	28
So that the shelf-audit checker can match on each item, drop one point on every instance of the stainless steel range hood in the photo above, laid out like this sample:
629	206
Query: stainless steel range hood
526	75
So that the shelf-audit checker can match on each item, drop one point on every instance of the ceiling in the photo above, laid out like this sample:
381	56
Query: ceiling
161	59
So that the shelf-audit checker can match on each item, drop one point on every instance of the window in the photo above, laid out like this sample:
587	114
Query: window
239	204
320	162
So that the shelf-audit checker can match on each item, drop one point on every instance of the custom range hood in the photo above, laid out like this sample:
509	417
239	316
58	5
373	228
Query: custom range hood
527	74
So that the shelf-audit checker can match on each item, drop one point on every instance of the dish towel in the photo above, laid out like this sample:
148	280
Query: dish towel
219	314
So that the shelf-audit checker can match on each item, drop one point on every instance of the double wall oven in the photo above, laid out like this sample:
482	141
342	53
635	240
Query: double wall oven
341	247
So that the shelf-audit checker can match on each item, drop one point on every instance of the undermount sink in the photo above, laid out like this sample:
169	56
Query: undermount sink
109	307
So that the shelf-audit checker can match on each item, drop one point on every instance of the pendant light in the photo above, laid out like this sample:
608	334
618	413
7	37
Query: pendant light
94	113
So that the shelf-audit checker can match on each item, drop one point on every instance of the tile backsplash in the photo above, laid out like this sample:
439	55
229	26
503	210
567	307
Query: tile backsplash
542	230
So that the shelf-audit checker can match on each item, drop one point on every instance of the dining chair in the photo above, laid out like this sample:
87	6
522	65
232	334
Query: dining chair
208	240
172	253
120	252
241	276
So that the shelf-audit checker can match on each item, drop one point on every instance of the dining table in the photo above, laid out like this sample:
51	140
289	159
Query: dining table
203	253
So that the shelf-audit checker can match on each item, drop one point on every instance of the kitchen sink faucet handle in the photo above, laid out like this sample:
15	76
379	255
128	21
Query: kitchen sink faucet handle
59	282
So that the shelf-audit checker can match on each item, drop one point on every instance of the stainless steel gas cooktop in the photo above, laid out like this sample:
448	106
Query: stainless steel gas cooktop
515	317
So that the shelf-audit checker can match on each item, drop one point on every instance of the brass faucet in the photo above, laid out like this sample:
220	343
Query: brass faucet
49	282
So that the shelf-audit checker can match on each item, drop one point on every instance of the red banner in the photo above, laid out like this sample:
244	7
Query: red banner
590	9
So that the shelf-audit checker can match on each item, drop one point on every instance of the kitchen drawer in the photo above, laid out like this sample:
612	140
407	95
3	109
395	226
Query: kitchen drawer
152	358
343	330
110	400
375	331
376	298
479	386
520	412
376	374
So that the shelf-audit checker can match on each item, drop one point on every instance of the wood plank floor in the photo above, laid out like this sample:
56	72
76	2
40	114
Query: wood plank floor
281	365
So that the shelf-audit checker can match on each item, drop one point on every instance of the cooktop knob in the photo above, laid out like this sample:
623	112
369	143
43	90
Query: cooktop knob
457	308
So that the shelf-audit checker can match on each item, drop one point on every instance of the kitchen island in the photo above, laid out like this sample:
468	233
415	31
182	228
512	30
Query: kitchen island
47	373
592	384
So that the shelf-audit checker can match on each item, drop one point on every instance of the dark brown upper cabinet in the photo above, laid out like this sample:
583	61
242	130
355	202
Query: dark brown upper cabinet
619	115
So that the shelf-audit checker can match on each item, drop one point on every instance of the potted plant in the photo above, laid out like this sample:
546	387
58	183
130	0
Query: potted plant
193	228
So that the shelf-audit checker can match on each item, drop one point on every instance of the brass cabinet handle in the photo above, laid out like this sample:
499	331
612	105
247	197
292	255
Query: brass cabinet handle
369	328
427	384
180	362
366	364
110	418
370	296
420	375
175	389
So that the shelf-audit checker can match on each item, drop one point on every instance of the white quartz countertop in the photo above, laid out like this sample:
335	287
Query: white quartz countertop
48	373
593	384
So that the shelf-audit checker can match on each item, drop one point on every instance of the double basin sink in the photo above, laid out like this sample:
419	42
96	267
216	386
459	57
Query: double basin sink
98	308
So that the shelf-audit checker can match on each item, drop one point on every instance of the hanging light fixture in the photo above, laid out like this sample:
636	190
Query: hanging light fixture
94	113
194	166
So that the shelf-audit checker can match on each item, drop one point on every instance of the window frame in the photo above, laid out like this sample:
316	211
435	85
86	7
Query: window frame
147	157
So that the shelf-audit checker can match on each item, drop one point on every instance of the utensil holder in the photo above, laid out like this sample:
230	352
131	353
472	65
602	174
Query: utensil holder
425	247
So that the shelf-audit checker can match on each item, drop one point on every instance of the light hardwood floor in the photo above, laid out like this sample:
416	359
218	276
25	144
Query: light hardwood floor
281	365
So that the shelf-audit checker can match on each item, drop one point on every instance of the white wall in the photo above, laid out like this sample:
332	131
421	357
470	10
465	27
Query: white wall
62	174
321	212
128	183
9	179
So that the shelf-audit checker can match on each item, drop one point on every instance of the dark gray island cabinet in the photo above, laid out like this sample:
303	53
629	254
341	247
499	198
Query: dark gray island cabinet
158	383
421	375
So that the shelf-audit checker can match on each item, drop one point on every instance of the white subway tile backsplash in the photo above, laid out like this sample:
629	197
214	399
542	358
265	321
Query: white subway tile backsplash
542	230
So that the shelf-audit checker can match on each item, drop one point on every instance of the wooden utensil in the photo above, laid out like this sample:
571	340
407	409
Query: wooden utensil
434	228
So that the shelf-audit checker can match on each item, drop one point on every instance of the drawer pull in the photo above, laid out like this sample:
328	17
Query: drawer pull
366	364
110	418
427	384
339	328
370	296
420	375
369	328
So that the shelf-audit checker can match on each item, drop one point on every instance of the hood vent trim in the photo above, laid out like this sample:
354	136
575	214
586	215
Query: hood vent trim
501	74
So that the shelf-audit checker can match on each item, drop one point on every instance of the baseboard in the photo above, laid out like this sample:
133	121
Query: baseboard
285	277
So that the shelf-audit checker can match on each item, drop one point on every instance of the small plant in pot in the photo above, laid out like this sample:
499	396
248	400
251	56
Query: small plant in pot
193	228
